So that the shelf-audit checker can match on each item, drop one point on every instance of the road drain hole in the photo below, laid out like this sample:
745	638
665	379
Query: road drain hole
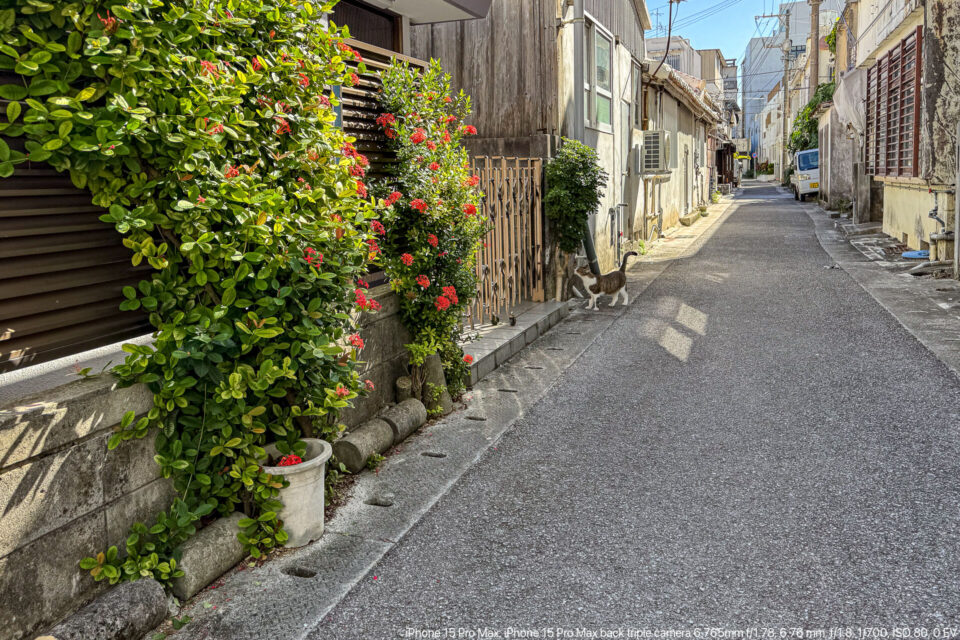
507	390
434	454
477	418
530	367
554	348
299	572
380	501
573	333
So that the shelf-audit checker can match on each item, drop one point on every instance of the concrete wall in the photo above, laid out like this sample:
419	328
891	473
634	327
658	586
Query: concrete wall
905	208
837	153
941	93
64	496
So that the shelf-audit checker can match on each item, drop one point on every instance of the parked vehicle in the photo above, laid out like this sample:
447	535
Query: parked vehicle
806	179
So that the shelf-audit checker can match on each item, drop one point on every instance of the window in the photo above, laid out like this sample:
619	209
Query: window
673	60
730	83
893	85
368	24
808	161
598	101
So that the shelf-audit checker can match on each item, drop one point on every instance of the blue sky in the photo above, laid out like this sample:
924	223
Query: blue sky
715	24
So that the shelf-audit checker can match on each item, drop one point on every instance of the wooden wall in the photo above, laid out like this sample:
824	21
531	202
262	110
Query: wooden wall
507	62
620	18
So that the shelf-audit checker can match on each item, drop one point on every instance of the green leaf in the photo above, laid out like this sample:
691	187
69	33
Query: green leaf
86	94
13	92
6	169
13	111
4	150
246	522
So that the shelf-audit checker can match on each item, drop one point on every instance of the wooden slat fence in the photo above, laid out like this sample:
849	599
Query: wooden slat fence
510	266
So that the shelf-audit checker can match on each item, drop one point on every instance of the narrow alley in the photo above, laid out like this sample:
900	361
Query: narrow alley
755	441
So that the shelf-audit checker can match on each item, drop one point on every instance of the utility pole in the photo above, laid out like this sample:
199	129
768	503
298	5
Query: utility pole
787	46
814	54
785	103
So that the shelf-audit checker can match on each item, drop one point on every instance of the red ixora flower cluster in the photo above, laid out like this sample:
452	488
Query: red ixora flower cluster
110	23
289	460
432	240
304	80
208	68
470	209
451	294
282	126
434	166
468	359
378	227
344	47
393	197
423	281
354	79
369	384
372	243
469	130
361	189
419	205
418	135
313	258
406	259
363	302
231	172
442	303
472	181
356	340
342	391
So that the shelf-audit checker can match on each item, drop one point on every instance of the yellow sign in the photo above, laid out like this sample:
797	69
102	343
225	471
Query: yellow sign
741	157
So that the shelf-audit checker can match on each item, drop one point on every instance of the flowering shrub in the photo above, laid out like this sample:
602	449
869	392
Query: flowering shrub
432	224
207	130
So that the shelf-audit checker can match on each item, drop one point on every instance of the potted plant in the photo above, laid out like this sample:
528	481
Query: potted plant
703	209
303	497
715	197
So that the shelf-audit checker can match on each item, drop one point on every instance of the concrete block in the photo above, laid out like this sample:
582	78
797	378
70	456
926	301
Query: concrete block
531	333
129	466
405	418
434	393
125	612
404	388
40	582
47	493
503	354
517	344
486	366
140	505
356	447
208	555
46	421
690	218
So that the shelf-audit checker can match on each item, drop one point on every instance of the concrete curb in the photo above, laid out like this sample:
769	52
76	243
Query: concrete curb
125	612
208	555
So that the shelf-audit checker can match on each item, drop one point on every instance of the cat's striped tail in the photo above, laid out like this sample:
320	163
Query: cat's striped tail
623	263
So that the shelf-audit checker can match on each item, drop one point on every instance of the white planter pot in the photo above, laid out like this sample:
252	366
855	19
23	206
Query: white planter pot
303	499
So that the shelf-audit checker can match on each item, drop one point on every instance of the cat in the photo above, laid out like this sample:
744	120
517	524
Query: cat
613	283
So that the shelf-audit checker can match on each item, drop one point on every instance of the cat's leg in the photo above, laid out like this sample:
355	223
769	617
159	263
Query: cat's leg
614	297
626	298
593	301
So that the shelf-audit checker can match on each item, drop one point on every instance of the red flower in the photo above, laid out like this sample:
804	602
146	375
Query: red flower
418	136
470	130
110	23
209	68
396	195
468	359
451	293
304	80
363	283
362	160
419	205
201	199
312	257
217	128
342	391
369	384
447	99
290	460
378	227
450	119
336	217
390	133
469	209
231	172
348	150
354	79
374	247
434	166
361	189
442	303
272	33
324	101
423	281
472	181
255	63
356	340
431	145
446	136
282	126
386	119
407	259
432	240
357	171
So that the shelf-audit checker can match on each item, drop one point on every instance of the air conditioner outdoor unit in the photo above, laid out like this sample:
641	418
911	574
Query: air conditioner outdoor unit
655	153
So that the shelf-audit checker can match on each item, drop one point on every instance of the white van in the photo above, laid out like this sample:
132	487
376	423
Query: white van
806	178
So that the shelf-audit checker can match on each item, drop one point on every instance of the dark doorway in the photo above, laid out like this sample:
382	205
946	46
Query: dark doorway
367	24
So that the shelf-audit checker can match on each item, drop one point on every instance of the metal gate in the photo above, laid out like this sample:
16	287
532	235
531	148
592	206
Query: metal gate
510	265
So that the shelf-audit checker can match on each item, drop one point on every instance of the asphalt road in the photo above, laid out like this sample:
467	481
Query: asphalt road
755	442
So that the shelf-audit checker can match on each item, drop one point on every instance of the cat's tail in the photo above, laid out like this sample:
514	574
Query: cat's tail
623	263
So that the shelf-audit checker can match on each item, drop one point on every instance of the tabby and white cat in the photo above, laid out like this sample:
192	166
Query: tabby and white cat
613	283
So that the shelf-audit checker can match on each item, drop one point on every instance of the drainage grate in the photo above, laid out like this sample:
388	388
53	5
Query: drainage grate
434	454
507	390
477	418
532	367
380	501
299	572
554	348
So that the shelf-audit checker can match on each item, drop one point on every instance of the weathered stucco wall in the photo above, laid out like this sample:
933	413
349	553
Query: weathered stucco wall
836	161
941	92
64	496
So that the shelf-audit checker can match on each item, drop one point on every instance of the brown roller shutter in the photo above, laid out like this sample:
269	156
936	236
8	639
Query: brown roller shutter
61	272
